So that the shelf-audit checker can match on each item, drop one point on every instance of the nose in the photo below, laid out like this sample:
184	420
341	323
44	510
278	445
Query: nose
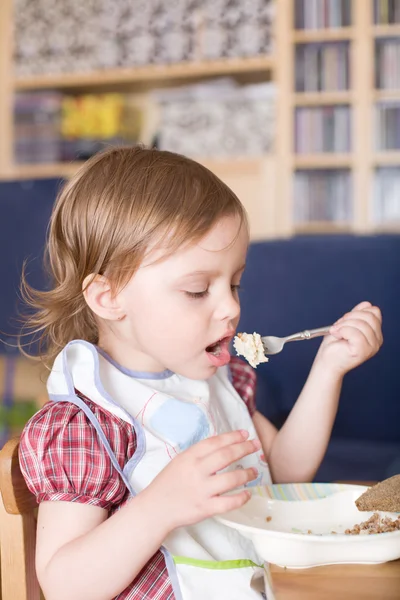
228	307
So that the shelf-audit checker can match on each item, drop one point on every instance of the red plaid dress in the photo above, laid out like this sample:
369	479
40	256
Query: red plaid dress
62	458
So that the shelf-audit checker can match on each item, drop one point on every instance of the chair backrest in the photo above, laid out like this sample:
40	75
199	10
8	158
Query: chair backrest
17	529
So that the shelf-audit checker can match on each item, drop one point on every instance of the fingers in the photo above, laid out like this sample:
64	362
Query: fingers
375	311
367	307
361	325
228	481
225	456
217	442
222	504
356	340
367	320
353	333
362	305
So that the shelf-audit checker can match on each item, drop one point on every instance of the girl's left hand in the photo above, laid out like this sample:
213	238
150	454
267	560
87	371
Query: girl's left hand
353	339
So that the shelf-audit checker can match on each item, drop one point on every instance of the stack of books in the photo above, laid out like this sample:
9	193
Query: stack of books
37	118
387	63
386	201
52	127
322	195
386	12
322	129
217	119
388	126
322	67
321	14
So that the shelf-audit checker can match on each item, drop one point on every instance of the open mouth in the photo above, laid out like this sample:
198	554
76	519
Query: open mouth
216	348
218	352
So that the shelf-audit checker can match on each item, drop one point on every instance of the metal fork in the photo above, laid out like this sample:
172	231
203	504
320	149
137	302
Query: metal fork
274	345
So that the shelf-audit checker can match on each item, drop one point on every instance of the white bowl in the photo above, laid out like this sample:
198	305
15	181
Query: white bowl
302	532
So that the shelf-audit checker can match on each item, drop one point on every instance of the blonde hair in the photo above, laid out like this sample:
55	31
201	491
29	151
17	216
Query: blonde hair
119	205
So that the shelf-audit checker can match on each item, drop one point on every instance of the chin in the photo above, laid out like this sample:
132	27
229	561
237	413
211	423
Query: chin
198	374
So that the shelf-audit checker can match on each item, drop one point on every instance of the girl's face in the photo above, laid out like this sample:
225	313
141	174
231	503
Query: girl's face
181	313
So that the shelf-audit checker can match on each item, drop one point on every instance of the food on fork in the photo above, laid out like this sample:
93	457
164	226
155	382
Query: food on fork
251	347
384	496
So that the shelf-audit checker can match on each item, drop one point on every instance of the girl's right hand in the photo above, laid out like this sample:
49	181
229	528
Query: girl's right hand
190	488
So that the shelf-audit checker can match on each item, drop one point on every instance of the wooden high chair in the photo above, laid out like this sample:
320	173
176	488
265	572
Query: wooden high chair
17	530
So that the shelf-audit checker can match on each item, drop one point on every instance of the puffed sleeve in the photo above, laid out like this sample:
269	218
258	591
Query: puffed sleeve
62	457
244	381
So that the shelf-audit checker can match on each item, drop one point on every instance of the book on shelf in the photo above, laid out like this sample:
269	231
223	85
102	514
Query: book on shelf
322	196
387	63
216	119
322	129
386	196
387	128
322	67
386	12
53	127
37	118
322	14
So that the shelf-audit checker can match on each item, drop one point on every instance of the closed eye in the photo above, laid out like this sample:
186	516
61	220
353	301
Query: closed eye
197	295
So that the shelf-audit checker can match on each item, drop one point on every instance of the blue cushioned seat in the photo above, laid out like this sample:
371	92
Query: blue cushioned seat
307	282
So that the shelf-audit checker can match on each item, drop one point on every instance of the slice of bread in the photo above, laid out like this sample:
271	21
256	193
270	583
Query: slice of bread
384	496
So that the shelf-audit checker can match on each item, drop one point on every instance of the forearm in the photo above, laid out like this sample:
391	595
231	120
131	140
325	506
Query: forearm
102	563
299	447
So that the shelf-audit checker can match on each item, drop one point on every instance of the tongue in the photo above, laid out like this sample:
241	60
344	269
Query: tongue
224	353
223	357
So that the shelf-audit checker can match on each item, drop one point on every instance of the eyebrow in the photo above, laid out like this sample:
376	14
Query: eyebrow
206	272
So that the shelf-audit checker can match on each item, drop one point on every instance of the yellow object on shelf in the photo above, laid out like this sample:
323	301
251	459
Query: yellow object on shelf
92	116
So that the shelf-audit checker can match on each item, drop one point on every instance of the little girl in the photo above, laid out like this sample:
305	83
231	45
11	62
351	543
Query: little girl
150	422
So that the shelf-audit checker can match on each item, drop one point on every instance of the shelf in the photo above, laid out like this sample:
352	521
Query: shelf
386	95
390	158
244	165
322	227
322	98
150	75
388	227
41	171
322	161
323	35
386	30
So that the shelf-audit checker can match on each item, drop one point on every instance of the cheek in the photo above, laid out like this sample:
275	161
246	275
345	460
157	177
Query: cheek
182	321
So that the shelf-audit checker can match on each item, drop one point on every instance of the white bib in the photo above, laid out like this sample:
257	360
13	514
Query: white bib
170	413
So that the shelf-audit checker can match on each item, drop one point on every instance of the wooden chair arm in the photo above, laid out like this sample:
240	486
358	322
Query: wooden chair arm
17	499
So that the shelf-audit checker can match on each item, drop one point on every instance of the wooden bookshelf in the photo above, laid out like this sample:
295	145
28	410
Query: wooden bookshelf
361	97
322	98
6	93
323	160
389	158
322	227
269	179
42	171
323	35
257	68
390	227
382	95
386	30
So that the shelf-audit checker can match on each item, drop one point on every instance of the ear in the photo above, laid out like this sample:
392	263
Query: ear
100	299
